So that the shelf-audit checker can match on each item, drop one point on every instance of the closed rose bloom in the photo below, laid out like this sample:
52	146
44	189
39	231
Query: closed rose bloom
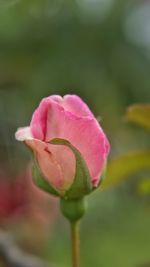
66	118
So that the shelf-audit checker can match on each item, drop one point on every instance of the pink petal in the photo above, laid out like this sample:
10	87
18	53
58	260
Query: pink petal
49	161
71	119
84	133
75	105
50	169
66	160
39	119
71	103
23	134
56	98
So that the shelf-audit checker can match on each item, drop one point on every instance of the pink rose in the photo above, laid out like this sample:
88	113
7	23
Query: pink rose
68	118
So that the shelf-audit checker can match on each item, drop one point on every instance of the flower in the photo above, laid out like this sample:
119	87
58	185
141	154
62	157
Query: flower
67	118
20	199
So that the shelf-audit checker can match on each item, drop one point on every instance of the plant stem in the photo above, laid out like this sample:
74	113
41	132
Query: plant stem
75	244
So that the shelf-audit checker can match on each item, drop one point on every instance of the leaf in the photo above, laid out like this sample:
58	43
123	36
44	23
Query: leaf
124	166
40	181
139	114
143	186
82	184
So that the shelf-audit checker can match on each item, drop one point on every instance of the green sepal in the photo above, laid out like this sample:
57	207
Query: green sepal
40	181
102	176
82	184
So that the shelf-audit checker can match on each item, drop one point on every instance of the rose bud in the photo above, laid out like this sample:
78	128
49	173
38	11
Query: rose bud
68	144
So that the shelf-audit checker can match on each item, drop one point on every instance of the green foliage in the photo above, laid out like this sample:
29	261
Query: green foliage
126	165
52	47
139	114
143	186
132	163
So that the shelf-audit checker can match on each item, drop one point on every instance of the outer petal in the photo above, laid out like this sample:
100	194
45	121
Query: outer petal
74	104
39	119
84	133
57	163
23	134
66	159
60	178
57	98
71	103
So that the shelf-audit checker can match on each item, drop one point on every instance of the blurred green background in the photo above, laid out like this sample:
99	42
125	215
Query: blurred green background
100	50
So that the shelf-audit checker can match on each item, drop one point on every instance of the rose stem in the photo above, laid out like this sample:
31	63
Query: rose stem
75	240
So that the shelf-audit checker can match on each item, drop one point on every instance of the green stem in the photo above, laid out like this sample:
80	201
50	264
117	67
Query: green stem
75	244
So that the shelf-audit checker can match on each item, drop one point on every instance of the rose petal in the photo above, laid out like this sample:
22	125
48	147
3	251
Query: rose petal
75	105
54	119
59	175
66	160
39	119
71	103
23	134
57	98
84	133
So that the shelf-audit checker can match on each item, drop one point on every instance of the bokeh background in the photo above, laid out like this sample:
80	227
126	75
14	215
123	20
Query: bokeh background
100	50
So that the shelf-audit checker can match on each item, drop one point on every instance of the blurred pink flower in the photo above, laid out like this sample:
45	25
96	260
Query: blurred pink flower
68	118
21	200
26	210
13	198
